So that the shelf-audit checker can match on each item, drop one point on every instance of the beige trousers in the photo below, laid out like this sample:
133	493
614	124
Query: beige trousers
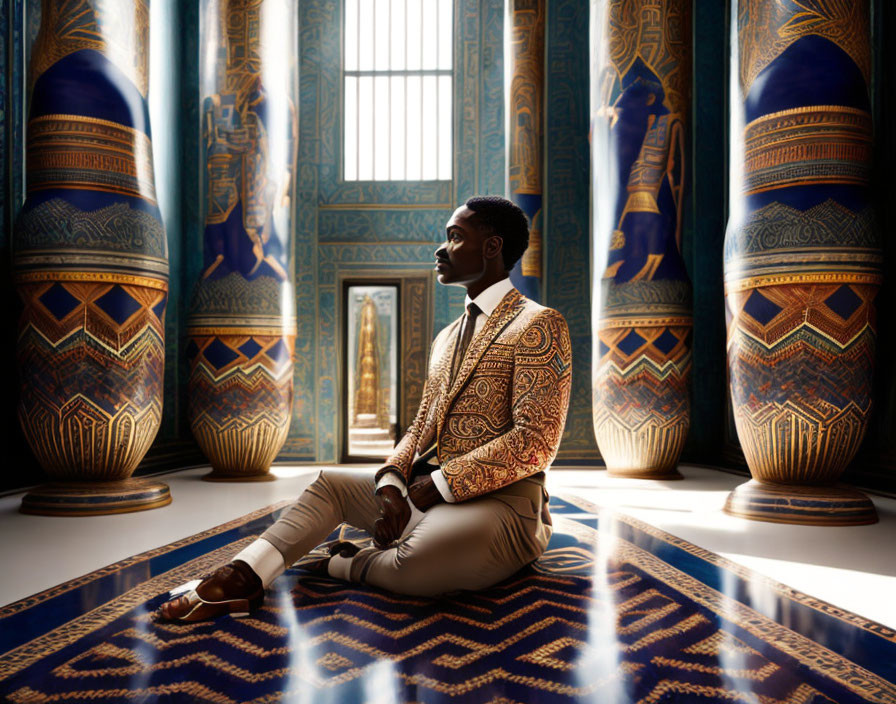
469	545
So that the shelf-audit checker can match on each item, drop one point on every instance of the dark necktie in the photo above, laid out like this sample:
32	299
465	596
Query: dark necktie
465	337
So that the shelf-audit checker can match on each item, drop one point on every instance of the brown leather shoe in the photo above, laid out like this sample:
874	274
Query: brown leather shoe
233	589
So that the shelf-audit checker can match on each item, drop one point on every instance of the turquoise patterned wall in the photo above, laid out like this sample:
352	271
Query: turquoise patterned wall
374	229
567	280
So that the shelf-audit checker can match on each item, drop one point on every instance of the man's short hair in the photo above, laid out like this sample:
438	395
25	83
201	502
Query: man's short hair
506	220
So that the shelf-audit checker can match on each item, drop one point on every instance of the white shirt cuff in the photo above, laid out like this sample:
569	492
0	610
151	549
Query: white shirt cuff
392	479
265	560
442	485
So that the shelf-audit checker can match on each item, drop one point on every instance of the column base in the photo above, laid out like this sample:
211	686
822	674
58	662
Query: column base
642	473
216	476
95	498
802	505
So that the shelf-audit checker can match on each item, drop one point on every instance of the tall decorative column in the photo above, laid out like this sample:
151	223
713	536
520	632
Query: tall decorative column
90	263
525	120
802	261
641	295
242	324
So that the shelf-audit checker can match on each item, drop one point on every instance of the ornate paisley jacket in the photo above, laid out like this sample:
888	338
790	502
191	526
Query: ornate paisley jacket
502	418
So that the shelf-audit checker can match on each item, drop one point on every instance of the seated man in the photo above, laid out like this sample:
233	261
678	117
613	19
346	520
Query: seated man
461	503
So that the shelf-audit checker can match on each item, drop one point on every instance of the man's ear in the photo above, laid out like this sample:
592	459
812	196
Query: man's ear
492	247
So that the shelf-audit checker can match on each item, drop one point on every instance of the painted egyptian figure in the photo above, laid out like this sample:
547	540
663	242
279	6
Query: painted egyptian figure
242	325
642	307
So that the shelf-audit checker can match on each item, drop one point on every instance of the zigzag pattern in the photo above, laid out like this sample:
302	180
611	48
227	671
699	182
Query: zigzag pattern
640	395
649	367
801	406
552	633
802	368
89	411
241	393
839	312
642	413
86	307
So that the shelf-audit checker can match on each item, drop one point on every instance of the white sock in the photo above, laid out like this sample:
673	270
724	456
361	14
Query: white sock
265	560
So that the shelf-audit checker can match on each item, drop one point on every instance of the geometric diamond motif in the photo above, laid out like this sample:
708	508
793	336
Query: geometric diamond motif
59	301
630	343
249	348
219	354
760	308
159	308
844	302
665	342
118	304
278	352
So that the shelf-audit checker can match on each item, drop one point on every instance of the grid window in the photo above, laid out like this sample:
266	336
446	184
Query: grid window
398	90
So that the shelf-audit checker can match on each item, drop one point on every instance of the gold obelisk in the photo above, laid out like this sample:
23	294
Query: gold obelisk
367	393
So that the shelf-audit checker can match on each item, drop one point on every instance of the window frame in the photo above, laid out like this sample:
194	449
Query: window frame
437	192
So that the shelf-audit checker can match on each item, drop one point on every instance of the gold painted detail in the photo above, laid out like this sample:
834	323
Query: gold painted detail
249	330
531	264
73	151
91	277
95	416
246	164
657	32
241	399
815	277
118	30
766	29
808	145
646	322
367	393
526	101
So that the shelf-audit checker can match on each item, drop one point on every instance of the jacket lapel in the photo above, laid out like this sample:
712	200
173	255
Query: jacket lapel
509	307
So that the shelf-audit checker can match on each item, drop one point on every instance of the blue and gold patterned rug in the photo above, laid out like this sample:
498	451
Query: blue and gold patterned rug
616	611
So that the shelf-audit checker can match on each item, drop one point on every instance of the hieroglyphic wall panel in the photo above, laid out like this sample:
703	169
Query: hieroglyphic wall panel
566	261
242	327
641	292
802	258
90	253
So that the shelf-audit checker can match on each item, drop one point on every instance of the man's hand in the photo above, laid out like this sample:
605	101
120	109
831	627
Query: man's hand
424	493
395	514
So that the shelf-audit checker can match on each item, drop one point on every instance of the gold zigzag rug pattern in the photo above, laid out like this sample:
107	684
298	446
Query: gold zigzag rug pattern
597	618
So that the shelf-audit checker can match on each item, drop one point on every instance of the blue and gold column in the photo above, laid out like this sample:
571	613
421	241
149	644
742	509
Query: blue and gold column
641	68
242	324
802	260
90	262
525	120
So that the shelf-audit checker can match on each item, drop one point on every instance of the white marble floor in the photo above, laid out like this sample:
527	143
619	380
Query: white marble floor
854	568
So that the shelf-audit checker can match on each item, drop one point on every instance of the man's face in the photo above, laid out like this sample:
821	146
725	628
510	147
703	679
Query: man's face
460	259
